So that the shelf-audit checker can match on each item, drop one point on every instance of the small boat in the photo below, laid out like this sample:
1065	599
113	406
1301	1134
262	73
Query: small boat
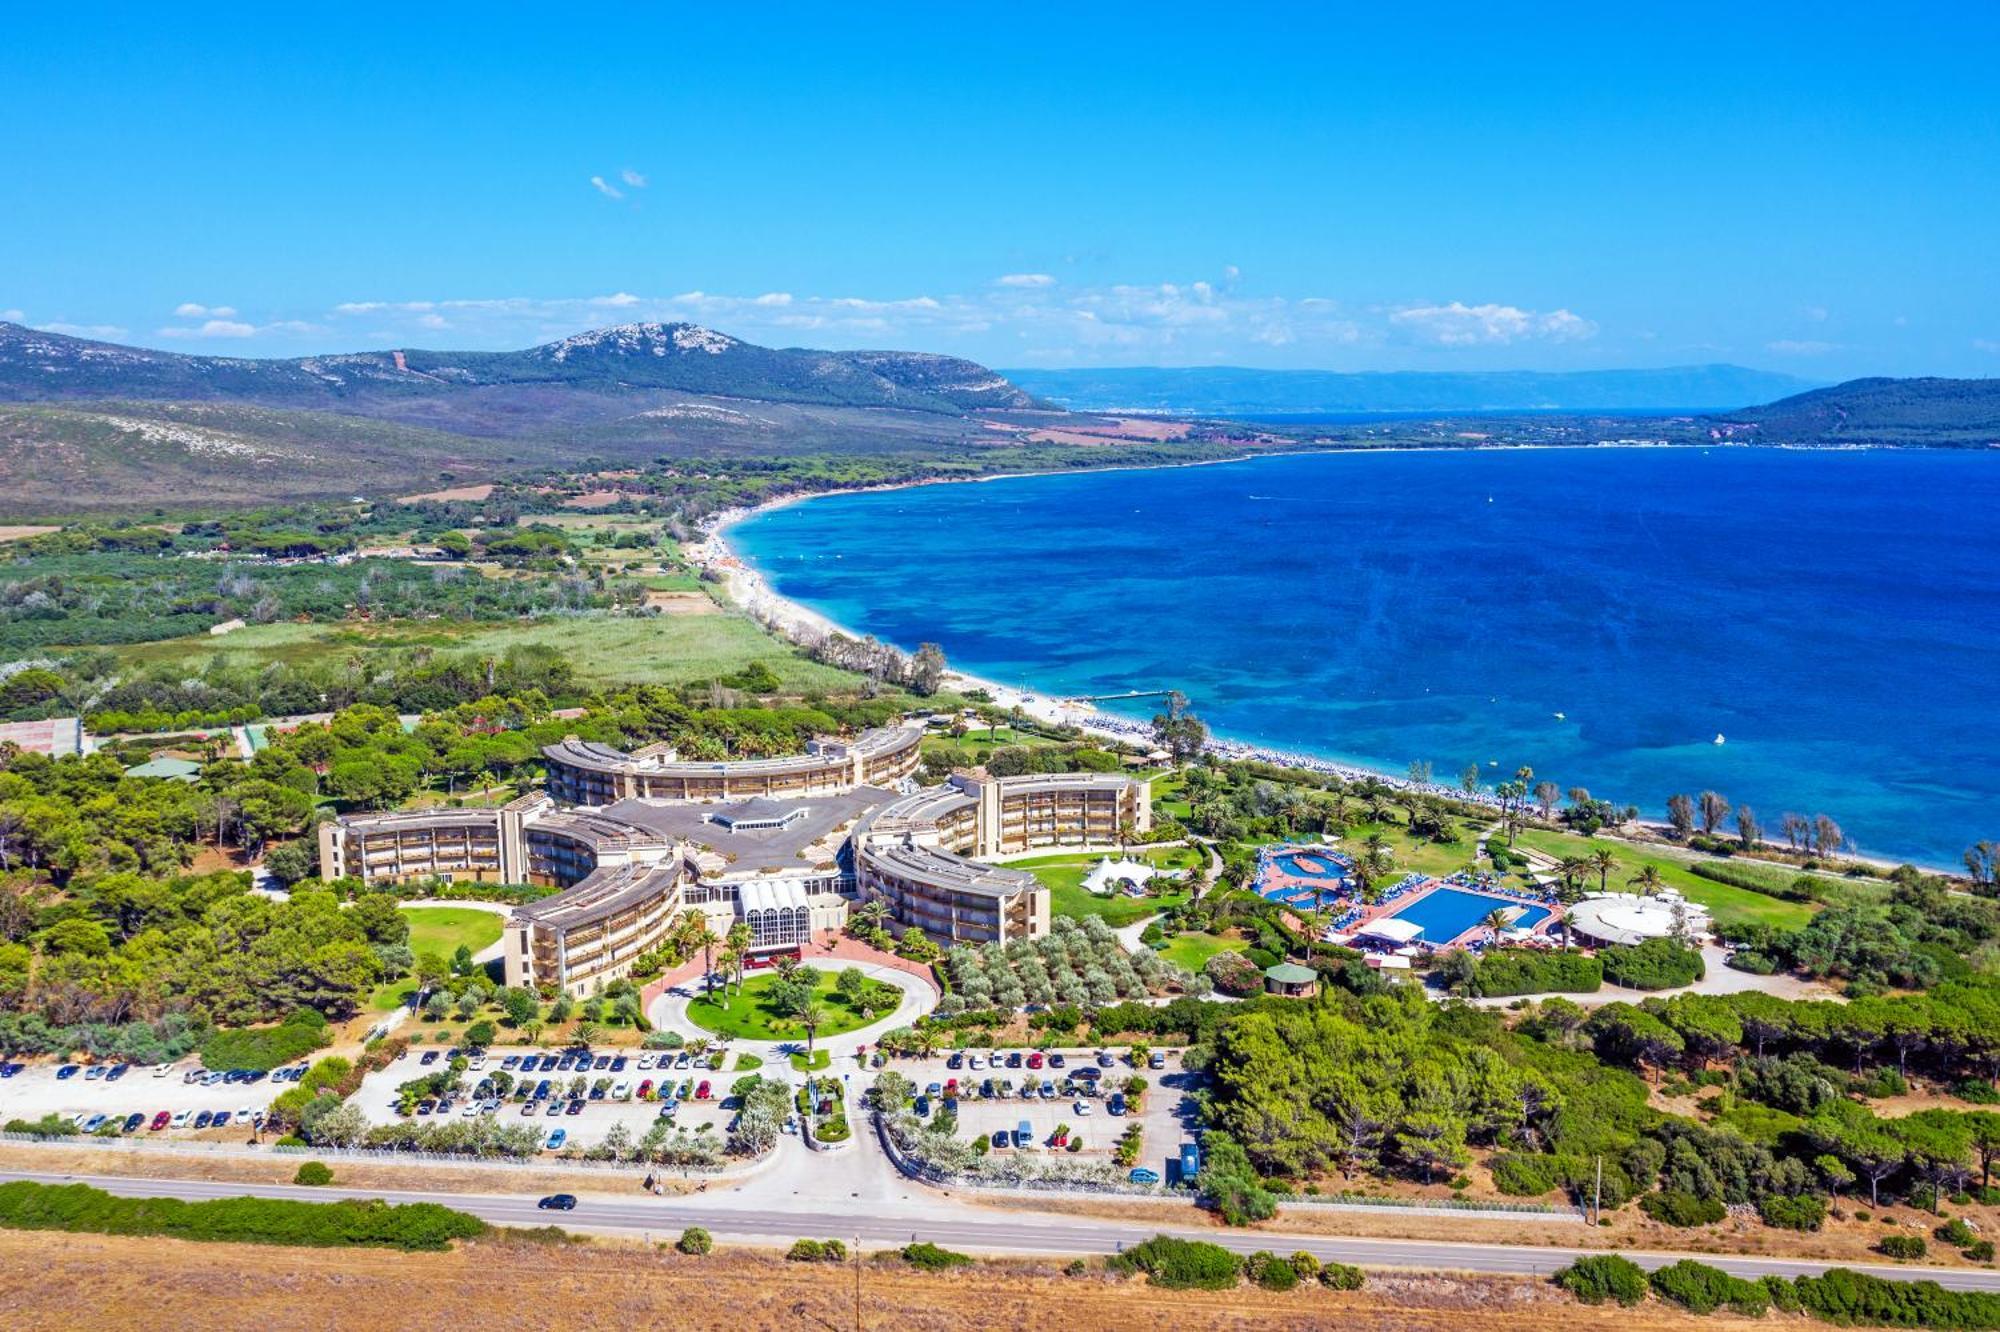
1718	738
1562	716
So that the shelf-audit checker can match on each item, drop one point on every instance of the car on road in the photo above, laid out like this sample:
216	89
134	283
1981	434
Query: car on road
1142	1175
161	1120
558	1202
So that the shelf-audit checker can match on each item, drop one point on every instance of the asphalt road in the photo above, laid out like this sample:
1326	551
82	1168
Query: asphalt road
996	1233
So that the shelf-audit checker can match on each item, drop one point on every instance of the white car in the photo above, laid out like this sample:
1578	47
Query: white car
161	1070
181	1120
471	1109
477	1061
645	1061
1082	1106
621	1091
976	1061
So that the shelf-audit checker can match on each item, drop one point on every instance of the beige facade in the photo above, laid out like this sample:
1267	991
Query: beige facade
585	773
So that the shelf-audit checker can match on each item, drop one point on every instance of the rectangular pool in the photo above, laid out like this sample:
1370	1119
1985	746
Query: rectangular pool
1446	913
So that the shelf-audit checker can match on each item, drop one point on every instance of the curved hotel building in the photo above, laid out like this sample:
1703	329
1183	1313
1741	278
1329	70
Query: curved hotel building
784	845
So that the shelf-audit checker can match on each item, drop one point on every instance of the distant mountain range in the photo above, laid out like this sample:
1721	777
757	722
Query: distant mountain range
1934	412
1234	391
39	367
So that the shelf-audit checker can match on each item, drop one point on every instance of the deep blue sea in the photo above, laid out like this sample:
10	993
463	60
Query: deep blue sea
1833	615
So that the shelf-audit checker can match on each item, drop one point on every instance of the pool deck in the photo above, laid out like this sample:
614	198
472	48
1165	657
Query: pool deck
1273	878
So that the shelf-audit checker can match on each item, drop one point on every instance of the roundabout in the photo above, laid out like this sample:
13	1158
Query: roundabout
751	1020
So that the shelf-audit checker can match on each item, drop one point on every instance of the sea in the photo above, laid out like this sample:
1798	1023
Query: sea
1802	631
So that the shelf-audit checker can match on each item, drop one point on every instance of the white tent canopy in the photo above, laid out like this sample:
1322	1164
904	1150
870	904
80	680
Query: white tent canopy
1108	876
1392	930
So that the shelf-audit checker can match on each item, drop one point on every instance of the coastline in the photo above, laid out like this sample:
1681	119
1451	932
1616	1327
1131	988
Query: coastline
750	591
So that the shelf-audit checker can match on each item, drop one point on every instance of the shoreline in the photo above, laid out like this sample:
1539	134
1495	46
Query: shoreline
750	591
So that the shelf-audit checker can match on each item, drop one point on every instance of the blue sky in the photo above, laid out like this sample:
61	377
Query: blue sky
1810	188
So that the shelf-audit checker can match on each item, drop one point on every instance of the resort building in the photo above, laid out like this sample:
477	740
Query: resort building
785	862
1291	980
585	773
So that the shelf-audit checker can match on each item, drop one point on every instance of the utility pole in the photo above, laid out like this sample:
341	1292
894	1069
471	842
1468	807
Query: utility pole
857	1283
1597	1206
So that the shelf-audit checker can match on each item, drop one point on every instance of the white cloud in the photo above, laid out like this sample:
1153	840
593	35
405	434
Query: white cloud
606	188
1027	280
632	178
13	316
194	310
110	331
616	299
1817	313
433	321
1460	325
774	298
1801	347
1986	345
212	328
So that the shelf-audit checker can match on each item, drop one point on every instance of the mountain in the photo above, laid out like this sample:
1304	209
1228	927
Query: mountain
1949	412
36	367
1234	391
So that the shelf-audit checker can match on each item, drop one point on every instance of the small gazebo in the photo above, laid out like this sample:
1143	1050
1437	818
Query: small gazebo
1291	980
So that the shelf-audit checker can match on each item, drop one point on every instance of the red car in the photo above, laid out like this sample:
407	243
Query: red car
951	1087
646	1090
701	1092
161	1120
1035	1059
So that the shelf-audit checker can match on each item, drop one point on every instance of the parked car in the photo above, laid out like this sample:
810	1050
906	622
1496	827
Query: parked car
557	1137
956	1060
116	1072
701	1092
530	1109
93	1073
430	1057
66	1071
603	1062
509	1061
1024	1134
621	1090
1117	1104
646	1090
1190	1162
1158	1059
575	1108
1141	1175
1082	1107
934	1090
1014	1059
161	1120
181	1120
923	1107
1035	1059
646	1062
203	1118
556	1107
94	1123
975	1061
617	1063
1104	1059
221	1119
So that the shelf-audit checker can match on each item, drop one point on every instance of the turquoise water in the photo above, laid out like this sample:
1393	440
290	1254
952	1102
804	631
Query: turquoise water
1446	913
1832	614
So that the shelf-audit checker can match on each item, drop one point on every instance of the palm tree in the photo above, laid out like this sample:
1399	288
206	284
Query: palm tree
1495	922
810	1013
1569	876
731	959
785	965
694	932
1648	880
872	913
738	939
1603	862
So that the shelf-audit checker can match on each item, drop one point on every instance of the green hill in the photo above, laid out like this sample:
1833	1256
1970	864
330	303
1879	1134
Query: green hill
1960	413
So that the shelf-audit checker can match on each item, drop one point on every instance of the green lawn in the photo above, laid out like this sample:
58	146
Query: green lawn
1426	857
1064	876
438	930
607	649
749	1014
1726	903
1193	949
1170	796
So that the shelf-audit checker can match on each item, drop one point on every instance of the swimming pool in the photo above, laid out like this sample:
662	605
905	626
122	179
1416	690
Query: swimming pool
1446	913
1301	866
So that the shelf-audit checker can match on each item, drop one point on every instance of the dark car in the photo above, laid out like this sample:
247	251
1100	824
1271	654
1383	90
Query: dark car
202	1120
425	1106
510	1061
116	1072
558	1202
1086	1075
957	1060
1057	1061
923	1107
430	1057
542	1089
617	1063
597	1093
1014	1060
221	1119
132	1122
603	1062
575	1108
66	1071
1104	1059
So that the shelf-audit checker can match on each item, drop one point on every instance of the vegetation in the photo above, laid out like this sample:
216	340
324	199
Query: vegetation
1178	1264
776	1007
695	1242
928	1257
1603	1277
313	1173
81	1208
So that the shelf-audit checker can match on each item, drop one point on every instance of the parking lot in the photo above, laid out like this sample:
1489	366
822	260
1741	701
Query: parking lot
1164	1113
594	1112
37	1091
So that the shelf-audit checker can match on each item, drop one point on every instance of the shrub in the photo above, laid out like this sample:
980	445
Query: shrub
1532	971
1804	1212
1682	1209
1702	1289
1955	1233
481	1034
1783	1296
1341	1276
1305	1265
1605	1276
817	1251
695	1242
51	1125
264	1048
1902	1247
314	1172
1525	1176
1980	1251
1270	1271
1178	1264
928	1257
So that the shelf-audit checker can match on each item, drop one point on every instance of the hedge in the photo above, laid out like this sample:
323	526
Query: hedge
1902	1247
930	1258
1702	1289
1855	1299
1804	1212
1656	964
80	1208
1682	1209
1509	971
264	1048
